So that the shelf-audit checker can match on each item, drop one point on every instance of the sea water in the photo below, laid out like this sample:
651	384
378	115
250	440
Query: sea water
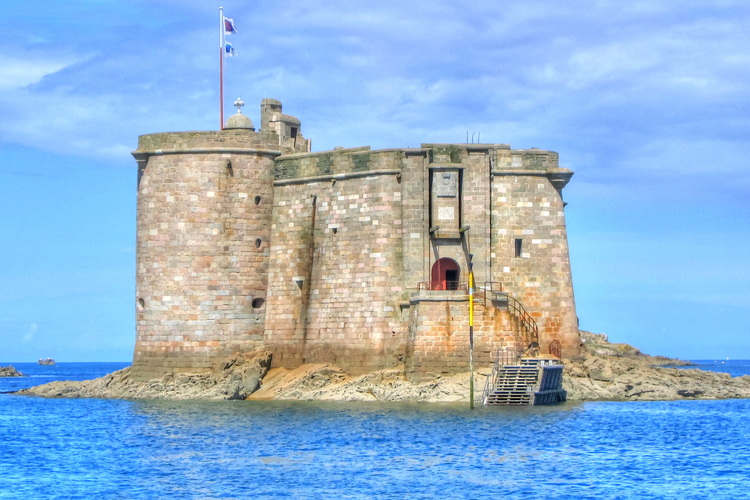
95	448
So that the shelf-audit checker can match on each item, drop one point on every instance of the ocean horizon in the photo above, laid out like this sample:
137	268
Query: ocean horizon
84	448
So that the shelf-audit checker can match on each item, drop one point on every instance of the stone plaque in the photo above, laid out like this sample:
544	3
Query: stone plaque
446	213
447	184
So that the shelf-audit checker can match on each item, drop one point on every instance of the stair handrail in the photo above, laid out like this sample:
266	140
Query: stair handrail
528	325
491	289
491	381
555	348
515	307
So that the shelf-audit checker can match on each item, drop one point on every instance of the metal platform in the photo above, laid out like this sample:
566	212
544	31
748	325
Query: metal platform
533	381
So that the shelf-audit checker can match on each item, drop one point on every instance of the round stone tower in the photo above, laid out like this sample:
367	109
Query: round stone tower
203	229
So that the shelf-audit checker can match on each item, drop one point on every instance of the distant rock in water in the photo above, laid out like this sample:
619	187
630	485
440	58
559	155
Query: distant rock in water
10	371
46	361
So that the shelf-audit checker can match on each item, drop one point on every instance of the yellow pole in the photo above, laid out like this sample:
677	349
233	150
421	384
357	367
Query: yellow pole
471	338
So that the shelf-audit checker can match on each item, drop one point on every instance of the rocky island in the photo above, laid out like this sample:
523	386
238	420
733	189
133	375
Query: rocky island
346	274
604	372
10	371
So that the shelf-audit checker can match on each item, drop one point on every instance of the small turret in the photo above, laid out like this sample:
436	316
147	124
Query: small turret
238	120
287	127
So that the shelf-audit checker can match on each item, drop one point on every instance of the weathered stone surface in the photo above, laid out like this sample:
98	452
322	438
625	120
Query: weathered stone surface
619	372
10	371
328	383
249	240
234	378
605	371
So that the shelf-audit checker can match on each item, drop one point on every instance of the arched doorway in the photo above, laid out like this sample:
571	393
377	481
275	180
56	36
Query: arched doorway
445	274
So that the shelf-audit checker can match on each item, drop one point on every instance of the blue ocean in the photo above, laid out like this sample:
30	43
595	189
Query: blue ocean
93	448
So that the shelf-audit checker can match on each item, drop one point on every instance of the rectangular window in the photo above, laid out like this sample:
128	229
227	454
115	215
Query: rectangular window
519	247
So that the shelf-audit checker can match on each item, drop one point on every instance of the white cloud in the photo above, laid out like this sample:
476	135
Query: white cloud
29	335
17	73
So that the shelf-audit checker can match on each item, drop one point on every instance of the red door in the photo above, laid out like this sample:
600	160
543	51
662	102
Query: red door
445	274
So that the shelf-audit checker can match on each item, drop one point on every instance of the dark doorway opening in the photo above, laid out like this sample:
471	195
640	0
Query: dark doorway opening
451	279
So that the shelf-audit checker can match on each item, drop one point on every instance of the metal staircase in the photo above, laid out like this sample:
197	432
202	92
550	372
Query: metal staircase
519	375
536	381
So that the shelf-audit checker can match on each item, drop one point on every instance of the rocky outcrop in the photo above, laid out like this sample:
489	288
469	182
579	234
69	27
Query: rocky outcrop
619	372
234	378
605	371
329	383
10	371
246	376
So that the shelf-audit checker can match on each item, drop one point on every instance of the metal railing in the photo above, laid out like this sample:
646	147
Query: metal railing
487	287
503	357
529	329
443	285
490	382
555	349
492	286
507	356
490	290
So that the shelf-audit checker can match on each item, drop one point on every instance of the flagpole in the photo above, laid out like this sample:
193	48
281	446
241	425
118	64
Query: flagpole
221	68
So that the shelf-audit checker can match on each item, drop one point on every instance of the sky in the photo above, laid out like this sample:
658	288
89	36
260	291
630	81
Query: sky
648	102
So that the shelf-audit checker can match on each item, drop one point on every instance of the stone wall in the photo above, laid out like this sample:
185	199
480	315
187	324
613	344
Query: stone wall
335	277
352	243
330	164
473	165
530	243
415	218
438	341
203	234
324	257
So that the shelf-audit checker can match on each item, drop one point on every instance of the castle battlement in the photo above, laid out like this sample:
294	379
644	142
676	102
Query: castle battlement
246	240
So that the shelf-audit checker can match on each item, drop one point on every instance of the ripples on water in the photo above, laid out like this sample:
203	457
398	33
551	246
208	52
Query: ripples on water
77	448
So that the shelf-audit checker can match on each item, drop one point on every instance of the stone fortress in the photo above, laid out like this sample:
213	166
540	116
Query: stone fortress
248	240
